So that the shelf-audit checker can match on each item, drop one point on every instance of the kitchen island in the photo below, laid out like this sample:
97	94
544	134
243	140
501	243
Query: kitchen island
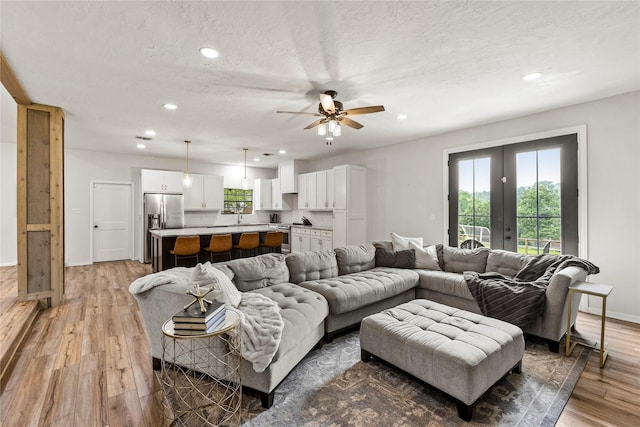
163	241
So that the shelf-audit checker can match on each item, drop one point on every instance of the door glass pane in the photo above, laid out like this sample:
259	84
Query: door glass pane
474	206
538	201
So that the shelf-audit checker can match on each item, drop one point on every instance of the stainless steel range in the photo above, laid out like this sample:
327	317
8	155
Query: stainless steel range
286	234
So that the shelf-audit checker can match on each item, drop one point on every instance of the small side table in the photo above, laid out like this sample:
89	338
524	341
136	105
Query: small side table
200	375
597	290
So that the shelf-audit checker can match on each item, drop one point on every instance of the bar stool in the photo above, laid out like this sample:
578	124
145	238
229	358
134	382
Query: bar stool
248	243
186	247
272	241
220	244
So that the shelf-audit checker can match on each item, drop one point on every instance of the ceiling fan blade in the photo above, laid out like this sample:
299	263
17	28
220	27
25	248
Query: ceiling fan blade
348	122
300	112
327	103
363	110
316	123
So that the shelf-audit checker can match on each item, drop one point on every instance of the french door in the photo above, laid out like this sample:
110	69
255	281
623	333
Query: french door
518	197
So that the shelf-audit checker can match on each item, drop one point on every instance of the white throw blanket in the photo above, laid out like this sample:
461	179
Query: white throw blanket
260	317
262	328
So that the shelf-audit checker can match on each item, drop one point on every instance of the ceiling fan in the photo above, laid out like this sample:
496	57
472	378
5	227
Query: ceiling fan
333	115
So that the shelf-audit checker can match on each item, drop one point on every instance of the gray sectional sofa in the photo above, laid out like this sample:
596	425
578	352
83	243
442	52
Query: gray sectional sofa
322	293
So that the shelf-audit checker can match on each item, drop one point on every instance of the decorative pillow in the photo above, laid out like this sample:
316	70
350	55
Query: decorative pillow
396	259
400	243
383	244
505	262
312	265
426	257
353	259
209	276
260	271
458	260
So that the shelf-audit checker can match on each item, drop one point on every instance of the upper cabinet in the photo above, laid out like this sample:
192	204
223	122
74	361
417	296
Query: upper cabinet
268	197
262	194
316	190
156	181
288	172
205	194
307	191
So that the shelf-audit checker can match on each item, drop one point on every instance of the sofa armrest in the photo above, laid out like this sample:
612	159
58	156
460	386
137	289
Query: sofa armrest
553	323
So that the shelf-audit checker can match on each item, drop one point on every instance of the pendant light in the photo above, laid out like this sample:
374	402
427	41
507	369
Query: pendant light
245	182
187	178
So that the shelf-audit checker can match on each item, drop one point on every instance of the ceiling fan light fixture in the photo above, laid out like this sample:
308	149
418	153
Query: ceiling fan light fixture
337	129
322	129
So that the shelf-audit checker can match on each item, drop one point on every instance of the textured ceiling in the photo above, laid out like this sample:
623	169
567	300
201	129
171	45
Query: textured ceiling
447	65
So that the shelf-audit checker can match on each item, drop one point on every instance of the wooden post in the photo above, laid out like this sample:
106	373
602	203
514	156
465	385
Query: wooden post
41	204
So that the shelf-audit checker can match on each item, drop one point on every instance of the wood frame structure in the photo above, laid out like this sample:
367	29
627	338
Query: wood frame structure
41	204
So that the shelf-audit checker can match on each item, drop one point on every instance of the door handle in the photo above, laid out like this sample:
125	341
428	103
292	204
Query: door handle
507	238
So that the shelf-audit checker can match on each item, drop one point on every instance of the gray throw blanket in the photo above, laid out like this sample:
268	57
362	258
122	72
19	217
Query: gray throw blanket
519	300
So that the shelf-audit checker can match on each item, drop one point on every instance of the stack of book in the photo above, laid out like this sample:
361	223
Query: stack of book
194	322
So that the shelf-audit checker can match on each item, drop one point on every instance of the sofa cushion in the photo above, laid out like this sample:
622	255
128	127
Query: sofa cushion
301	309
260	271
426	257
312	265
383	244
506	262
350	292
445	282
458	260
352	259
396	259
399	242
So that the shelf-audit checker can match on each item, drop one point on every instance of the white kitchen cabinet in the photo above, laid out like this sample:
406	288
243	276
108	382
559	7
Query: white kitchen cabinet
279	201
262	194
320	240
307	191
157	181
324	190
288	172
300	239
205	194
349	214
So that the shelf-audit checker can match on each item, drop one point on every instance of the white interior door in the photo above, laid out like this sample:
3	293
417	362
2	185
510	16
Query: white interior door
112	224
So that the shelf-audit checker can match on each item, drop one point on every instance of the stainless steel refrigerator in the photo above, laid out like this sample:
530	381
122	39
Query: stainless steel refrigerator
161	211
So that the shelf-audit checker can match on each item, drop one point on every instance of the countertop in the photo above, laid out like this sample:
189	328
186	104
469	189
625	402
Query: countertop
219	229
313	227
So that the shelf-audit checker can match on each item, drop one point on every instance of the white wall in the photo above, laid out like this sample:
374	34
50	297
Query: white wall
405	187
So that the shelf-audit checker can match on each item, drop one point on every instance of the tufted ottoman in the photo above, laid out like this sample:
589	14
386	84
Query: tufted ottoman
459	352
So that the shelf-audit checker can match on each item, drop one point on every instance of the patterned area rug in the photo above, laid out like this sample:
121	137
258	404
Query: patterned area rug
332	387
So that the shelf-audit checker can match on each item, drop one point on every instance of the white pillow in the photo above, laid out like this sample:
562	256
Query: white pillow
400	243
426	257
207	275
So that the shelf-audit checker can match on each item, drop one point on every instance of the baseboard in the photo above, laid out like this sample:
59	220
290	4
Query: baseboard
613	315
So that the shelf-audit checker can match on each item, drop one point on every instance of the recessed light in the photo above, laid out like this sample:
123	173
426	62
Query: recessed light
171	106
208	52
402	117
150	132
282	151
532	76
256	159
141	146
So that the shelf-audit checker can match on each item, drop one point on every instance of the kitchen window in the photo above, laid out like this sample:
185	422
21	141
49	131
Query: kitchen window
237	201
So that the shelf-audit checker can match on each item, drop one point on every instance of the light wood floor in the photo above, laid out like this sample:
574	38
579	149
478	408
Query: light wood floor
86	362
